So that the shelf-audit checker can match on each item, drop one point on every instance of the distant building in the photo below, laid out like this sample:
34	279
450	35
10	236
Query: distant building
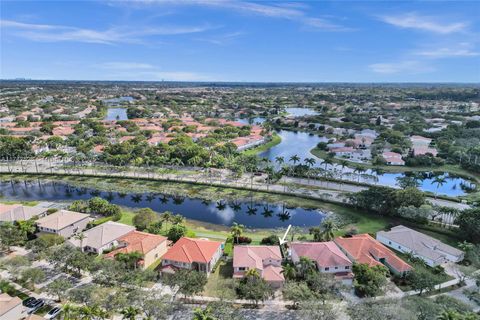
393	158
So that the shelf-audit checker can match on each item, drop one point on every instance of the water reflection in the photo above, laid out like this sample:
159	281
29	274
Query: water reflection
249	213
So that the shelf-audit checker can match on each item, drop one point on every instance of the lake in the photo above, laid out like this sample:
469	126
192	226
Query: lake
117	101
116	114
301	112
249	213
300	143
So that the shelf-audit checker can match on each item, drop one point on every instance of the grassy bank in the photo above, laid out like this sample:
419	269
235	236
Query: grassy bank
276	139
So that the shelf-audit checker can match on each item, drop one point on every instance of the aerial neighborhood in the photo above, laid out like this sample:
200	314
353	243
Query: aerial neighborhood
196	201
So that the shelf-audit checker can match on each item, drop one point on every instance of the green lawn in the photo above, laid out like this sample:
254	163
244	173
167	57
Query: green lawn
24	202
220	283
276	139
417	265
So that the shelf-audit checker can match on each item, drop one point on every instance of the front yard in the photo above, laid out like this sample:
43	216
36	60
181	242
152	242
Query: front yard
220	283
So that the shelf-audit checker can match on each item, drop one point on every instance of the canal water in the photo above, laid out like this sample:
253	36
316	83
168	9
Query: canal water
249	213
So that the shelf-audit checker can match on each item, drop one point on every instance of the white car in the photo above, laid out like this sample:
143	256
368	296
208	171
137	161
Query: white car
52	314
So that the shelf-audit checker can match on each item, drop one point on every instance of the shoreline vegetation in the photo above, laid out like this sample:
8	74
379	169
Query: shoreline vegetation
345	216
462	173
276	139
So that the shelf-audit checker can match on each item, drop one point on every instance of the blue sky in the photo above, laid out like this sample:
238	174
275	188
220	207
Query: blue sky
202	40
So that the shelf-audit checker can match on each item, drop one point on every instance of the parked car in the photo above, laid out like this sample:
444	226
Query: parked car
52	314
28	301
35	305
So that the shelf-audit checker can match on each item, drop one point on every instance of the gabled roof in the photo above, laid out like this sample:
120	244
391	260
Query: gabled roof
253	256
418	242
325	254
365	249
61	219
136	241
103	234
7	303
190	250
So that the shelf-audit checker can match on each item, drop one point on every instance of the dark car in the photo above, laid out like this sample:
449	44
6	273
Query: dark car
28	301
37	304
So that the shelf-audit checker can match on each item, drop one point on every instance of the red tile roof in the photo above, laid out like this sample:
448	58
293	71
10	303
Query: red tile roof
326	254
192	250
365	249
137	241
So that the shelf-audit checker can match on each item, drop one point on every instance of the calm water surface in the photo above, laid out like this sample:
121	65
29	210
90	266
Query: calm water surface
300	143
249	213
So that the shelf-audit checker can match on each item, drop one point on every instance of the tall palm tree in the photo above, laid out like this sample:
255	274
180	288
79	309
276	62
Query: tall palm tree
295	158
289	272
130	313
236	230
327	161
328	228
279	160
439	181
167	216
203	314
305	266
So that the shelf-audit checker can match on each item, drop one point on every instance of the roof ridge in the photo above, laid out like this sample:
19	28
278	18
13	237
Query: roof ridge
200	249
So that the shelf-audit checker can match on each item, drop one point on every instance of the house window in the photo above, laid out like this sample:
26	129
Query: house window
347	267
327	268
336	268
399	247
389	242
241	268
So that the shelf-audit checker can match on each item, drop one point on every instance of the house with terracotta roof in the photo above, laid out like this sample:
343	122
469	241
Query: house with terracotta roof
151	246
267	260
192	254
10	307
327	256
393	158
432	251
18	212
103	237
63	223
362	248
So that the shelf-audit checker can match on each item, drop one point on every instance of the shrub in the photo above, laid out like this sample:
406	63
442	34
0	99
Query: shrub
270	240
244	240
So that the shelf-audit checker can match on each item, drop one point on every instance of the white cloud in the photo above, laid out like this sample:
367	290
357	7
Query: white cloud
424	23
447	53
406	67
293	12
57	33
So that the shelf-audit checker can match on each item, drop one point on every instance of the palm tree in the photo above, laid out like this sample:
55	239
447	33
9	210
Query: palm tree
289	272
449	314
267	212
305	266
359	170
295	158
203	314
328	228
167	216
279	160
309	162
439	181
253	273
80	237
236	230
130	313
327	161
